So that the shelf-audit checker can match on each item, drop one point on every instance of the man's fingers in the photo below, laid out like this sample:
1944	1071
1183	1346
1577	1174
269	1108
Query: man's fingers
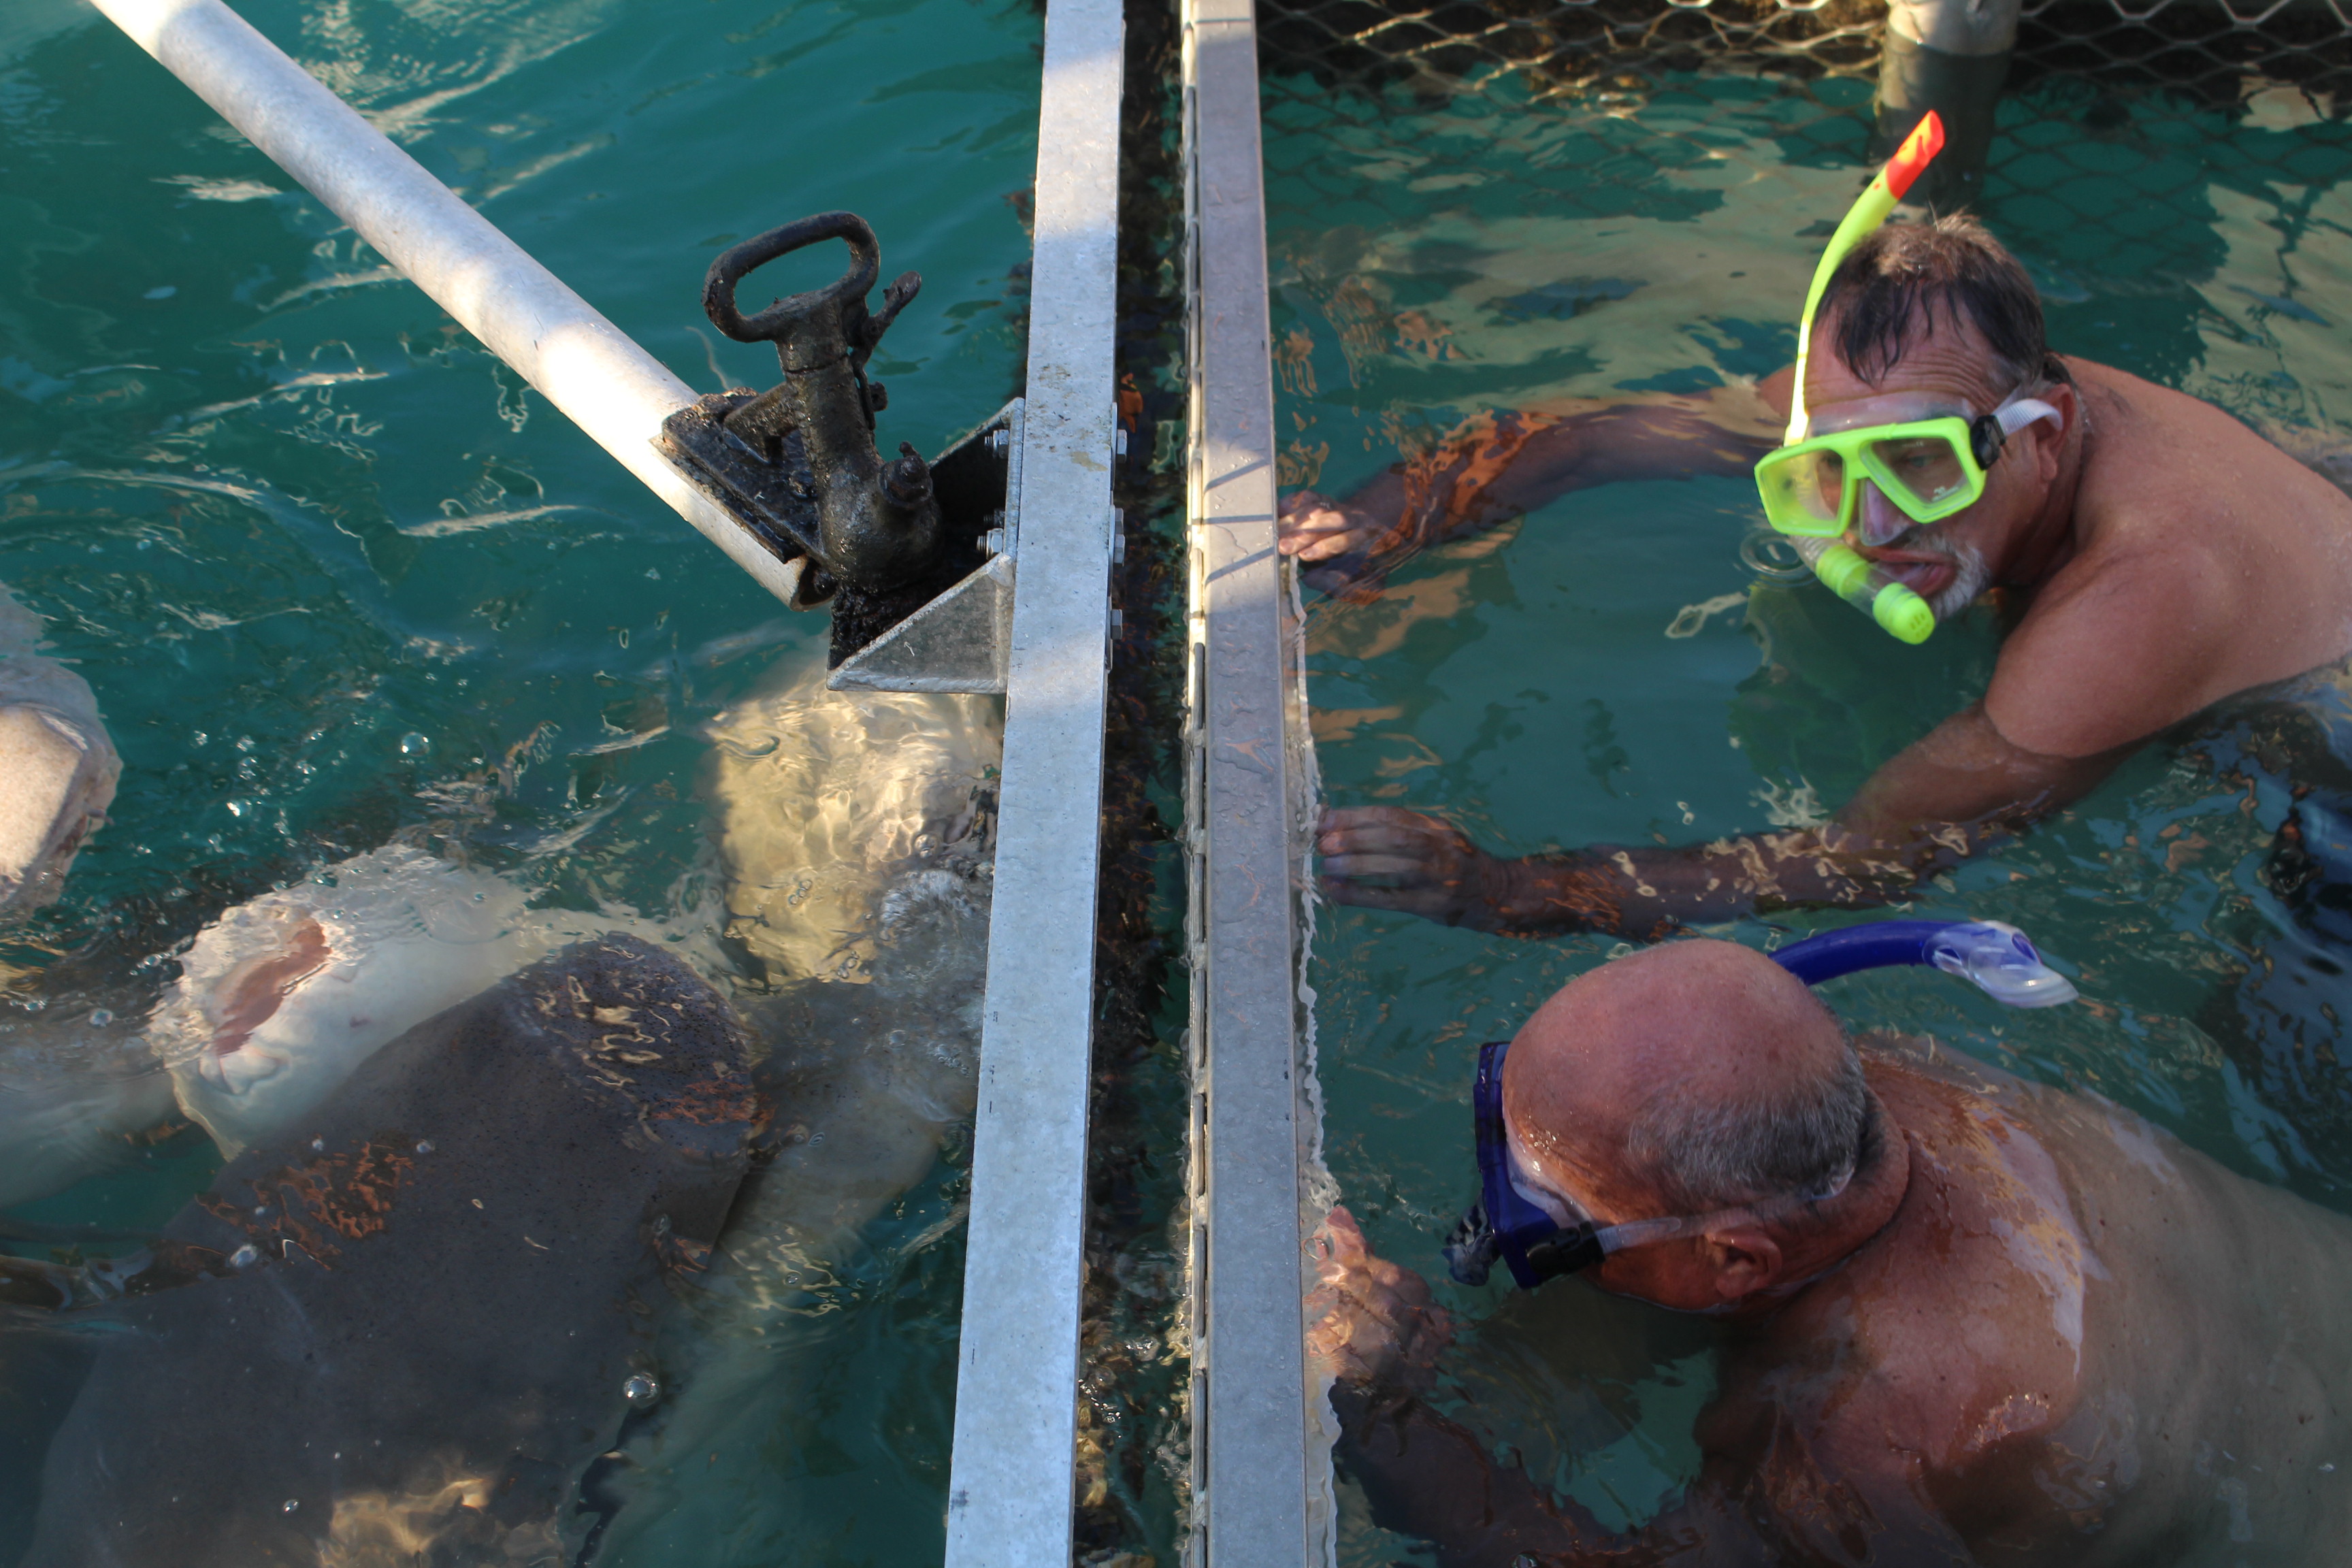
1317	538
1340	817
1378	839
1378	870
1386	857
1421	840
1429	901
1321	546
1310	527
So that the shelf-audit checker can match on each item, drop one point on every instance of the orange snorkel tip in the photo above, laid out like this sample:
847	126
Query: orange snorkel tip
1918	149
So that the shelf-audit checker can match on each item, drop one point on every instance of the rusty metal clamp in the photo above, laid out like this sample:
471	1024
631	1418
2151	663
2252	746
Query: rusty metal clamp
797	462
813	328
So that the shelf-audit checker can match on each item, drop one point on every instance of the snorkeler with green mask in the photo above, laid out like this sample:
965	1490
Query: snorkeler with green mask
2154	556
1814	485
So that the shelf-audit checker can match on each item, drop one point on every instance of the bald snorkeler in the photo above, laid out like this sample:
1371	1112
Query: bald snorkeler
2157	554
1966	1320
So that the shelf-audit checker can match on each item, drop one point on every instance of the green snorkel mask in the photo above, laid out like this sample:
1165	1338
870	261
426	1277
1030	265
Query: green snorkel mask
1934	467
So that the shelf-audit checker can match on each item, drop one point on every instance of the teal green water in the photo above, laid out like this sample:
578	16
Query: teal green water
329	567
1585	674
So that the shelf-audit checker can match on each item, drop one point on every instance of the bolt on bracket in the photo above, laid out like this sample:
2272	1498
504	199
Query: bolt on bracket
962	640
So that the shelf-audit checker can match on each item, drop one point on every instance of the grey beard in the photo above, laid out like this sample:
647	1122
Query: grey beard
1971	577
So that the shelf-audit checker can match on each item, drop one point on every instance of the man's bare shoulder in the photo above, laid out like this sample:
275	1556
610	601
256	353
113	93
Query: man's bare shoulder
2204	560
2164	467
1949	1337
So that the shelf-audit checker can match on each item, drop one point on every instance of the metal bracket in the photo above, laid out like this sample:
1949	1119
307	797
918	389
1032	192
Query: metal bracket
962	640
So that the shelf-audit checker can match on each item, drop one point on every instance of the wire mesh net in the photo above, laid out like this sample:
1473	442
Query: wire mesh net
2221	50
2217	53
1437	46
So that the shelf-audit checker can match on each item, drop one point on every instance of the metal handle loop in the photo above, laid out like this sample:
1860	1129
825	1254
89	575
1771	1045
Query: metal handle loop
719	287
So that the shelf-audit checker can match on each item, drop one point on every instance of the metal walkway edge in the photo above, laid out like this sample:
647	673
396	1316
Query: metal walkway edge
1010	1480
1255	1462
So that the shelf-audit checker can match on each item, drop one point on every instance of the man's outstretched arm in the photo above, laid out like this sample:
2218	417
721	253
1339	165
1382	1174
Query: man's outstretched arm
1497	467
1943	799
2096	670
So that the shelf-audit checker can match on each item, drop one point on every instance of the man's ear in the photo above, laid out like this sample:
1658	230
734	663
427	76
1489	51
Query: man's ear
2048	439
1744	1258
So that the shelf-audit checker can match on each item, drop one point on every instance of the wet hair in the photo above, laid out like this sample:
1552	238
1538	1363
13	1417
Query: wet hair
1889	290
1802	1139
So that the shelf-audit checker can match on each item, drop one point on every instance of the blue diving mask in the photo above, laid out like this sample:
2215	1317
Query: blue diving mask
1542	1236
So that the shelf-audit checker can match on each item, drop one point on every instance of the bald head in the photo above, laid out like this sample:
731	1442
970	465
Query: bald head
1698	1074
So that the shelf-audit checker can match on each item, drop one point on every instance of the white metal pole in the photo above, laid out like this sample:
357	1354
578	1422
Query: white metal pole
585	365
1009	1486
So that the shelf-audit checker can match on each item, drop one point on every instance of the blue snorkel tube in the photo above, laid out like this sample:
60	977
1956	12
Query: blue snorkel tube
1991	955
1505	1224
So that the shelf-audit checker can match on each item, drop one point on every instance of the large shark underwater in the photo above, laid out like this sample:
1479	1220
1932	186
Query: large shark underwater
516	1200
276	1002
410	1317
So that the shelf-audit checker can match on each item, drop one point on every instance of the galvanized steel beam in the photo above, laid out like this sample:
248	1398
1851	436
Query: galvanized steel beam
1258	1461
1010	1486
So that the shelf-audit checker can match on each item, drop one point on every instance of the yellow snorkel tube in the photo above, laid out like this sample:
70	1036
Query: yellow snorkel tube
1898	611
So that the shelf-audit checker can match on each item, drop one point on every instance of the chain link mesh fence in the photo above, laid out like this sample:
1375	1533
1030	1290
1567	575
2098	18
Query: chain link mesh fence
1442	46
2221	50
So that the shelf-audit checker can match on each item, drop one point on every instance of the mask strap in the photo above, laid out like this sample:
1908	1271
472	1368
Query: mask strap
2017	412
1988	432
1869	210
1612	1238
